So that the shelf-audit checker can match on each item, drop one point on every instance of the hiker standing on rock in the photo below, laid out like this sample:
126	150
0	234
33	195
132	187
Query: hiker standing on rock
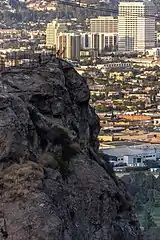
59	54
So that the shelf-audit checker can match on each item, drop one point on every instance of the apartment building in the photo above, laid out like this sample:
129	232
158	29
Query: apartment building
107	30
71	43
136	26
52	30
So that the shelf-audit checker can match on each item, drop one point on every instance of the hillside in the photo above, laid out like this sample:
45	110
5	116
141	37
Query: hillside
53	183
17	13
14	13
144	187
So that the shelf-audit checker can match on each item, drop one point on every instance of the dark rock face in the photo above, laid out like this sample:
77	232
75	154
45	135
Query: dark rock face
51	187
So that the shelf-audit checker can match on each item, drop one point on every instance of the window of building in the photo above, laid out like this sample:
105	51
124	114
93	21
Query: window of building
139	160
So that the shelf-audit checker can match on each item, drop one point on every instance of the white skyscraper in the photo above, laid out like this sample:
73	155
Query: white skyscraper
136	26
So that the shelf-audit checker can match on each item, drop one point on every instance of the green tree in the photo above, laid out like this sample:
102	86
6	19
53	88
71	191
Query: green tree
138	204
148	221
151	199
101	108
156	198
152	234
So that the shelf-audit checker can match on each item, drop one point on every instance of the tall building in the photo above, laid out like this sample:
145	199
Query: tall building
136	26
52	30
57	36
107	29
86	39
71	43
90	41
95	41
103	24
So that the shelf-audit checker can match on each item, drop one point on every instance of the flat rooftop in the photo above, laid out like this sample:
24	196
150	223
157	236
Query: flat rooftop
132	149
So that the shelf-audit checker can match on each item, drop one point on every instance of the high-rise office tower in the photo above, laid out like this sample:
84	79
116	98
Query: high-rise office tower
136	26
71	43
107	29
52	30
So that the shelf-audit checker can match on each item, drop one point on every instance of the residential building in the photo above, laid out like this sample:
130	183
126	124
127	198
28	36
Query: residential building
153	52
117	65
90	41
71	43
107	30
136	26
95	41
52	30
103	24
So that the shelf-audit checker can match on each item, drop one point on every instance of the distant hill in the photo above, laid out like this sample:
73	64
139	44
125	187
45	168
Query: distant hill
157	3
15	13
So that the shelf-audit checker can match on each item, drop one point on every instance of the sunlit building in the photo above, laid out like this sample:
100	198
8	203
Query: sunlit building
71	43
52	30
136	26
107	30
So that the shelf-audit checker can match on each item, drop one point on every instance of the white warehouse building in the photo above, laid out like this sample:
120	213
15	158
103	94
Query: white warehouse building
133	156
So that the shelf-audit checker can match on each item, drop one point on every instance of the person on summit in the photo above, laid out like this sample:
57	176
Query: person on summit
59	53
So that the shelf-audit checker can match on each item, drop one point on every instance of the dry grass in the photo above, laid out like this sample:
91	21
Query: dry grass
18	180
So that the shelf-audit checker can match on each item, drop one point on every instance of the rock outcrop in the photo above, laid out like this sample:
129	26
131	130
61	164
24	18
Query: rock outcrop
53	184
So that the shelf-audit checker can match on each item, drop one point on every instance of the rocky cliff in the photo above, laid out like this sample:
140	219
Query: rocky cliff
53	184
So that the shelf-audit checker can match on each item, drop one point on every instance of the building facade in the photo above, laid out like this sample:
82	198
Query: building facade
58	37
90	41
133	156
103	25
136	26
71	43
86	40
107	30
52	30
